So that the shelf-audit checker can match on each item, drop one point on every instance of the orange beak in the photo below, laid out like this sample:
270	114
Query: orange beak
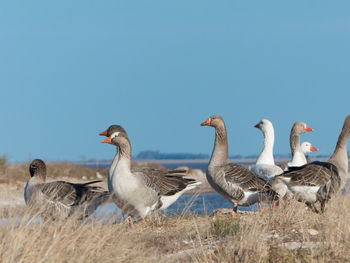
308	129
257	125
313	149
104	133
107	140
206	123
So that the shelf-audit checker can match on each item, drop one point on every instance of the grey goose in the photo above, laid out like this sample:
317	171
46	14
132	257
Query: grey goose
141	191
60	199
235	182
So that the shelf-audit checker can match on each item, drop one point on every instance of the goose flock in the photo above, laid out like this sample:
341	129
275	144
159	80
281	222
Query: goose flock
142	191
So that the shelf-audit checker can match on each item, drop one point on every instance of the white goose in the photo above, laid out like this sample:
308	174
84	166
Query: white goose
299	157
265	165
306	147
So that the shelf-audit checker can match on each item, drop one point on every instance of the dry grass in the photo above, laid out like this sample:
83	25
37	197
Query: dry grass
293	234
18	173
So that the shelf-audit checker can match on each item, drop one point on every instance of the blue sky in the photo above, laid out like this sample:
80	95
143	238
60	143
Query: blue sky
69	69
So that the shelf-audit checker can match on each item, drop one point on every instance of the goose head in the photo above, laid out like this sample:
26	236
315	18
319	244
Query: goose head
301	127
214	121
111	129
307	147
264	125
118	138
37	168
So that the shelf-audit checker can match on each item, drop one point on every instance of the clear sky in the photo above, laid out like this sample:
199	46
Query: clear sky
69	69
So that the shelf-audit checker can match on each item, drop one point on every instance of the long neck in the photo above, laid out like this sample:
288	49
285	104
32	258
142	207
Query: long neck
220	151
111	169
298	156
266	156
340	155
295	142
124	150
38	178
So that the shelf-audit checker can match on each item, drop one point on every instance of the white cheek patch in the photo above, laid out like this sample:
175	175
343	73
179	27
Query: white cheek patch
115	134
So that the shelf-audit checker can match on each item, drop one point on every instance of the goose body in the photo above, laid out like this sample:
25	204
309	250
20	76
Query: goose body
60	199
235	182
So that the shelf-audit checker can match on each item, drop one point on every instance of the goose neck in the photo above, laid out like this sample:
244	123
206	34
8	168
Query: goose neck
295	143
220	151
124	153
112	168
38	178
340	155
266	156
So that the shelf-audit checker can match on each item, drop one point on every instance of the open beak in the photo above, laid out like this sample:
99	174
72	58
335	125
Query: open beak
206	123
104	133
107	140
257	125
313	149
308	129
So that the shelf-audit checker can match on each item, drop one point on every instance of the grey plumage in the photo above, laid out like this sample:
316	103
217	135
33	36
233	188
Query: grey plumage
235	182
60	199
170	184
319	181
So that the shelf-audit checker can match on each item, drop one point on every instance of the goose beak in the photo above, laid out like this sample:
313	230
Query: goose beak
313	149
257	125
308	129
104	133
206	123
107	140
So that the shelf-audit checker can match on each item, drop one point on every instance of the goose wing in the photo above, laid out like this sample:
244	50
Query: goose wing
168	182
238	179
312	174
242	177
70	194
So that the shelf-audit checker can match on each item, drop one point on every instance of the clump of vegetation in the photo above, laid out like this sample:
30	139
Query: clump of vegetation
224	226
3	161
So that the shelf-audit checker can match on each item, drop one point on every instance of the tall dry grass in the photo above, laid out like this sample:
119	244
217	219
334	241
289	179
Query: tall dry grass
292	234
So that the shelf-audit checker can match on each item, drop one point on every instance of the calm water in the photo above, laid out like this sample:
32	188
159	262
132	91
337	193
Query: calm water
203	204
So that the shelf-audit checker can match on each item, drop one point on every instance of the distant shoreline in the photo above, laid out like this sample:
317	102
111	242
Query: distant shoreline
192	163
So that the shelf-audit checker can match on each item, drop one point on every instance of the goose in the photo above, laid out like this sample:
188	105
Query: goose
279	183
319	181
299	158
236	183
155	189
265	165
306	147
60	199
